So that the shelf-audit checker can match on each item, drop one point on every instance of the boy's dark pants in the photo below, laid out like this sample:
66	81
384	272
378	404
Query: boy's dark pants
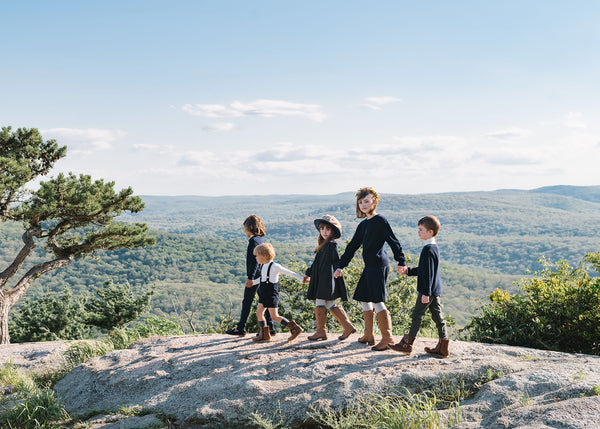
435	308
249	294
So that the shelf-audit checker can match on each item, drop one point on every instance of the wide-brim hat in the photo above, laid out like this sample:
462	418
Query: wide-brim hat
332	222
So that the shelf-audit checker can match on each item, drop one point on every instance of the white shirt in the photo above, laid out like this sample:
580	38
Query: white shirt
277	269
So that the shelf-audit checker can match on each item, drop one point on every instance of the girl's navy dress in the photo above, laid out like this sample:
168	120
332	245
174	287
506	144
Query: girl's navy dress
322	283
372	234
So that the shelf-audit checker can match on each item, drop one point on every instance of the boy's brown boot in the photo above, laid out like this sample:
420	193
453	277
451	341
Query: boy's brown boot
263	335
368	337
405	345
341	316
440	350
321	319
295	330
385	326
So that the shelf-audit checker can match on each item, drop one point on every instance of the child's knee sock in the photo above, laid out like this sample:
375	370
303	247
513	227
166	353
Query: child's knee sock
284	321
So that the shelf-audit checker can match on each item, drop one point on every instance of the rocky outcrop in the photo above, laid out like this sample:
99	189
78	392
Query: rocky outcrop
220	381
38	358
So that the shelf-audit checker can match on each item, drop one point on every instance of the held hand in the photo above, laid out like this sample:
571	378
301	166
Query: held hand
424	299
338	273
306	279
249	283
402	269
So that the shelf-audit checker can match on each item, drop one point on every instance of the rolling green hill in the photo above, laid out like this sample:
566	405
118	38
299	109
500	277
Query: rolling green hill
488	240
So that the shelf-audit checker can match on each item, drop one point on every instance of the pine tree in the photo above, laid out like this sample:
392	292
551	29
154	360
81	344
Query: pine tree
72	215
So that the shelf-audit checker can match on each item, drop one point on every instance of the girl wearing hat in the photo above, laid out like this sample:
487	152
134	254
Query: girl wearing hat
323	287
372	233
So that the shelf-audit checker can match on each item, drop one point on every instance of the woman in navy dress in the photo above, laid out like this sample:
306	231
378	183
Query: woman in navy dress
372	233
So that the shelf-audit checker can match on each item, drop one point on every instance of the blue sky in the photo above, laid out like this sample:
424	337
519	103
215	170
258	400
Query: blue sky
274	97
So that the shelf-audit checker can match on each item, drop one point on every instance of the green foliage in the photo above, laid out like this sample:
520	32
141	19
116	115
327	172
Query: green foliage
10	375
403	410
41	409
55	316
147	327
113	306
78	216
24	155
558	309
52	316
28	406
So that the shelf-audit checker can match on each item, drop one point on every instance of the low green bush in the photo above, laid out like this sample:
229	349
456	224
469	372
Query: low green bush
557	309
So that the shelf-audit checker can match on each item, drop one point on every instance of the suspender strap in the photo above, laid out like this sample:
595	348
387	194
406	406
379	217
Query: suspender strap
269	272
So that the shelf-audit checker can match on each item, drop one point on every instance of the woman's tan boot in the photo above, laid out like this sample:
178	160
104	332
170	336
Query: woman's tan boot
385	326
263	335
321	319
341	316
368	337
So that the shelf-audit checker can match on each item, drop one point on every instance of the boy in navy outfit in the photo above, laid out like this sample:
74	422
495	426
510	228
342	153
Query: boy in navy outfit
255	230
429	288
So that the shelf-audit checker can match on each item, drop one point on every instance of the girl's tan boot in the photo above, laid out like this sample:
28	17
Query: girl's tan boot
341	316
321	319
385	326
368	337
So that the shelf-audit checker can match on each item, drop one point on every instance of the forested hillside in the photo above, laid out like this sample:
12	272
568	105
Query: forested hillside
488	240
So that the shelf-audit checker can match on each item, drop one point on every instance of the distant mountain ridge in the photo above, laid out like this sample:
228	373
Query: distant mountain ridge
586	193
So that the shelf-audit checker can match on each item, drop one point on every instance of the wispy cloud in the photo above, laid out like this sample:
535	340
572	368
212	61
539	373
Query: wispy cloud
262	108
509	133
574	120
509	158
375	103
85	140
218	126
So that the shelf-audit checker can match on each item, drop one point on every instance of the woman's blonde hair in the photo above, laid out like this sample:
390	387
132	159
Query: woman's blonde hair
360	194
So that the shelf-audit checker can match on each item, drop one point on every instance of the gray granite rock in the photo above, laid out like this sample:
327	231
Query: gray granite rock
219	380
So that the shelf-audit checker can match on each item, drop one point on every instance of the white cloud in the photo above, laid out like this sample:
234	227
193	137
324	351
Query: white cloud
85	140
509	133
218	126
263	108
284	152
574	120
211	111
204	159
375	103
154	149
506	158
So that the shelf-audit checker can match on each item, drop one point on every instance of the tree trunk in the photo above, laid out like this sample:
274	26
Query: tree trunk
9	297
4	308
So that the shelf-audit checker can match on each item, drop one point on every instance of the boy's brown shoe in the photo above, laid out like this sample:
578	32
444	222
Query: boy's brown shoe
404	346
440	350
